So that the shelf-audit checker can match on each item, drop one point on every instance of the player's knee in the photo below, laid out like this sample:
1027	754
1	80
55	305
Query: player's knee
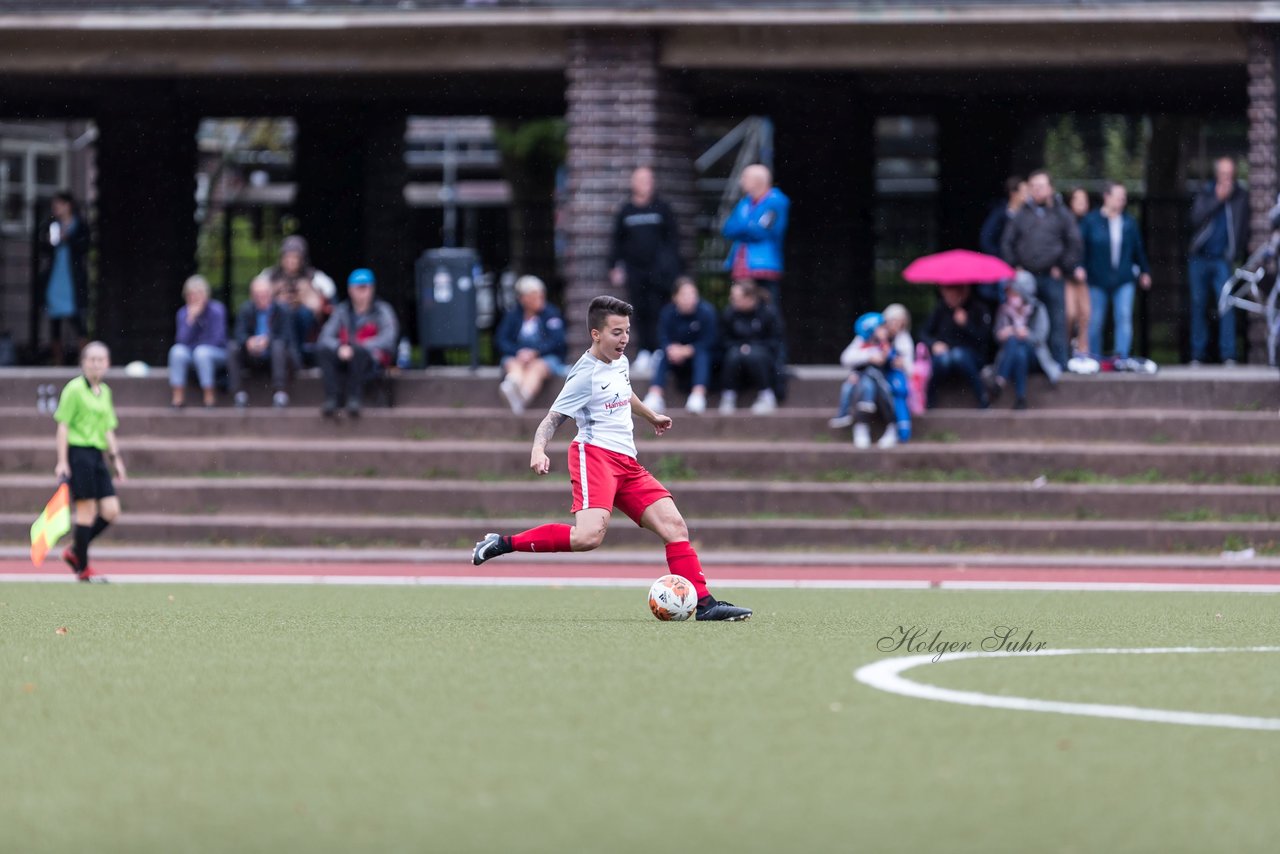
109	512
584	539
675	530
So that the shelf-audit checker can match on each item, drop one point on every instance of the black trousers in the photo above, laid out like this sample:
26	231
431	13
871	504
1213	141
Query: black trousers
743	371
346	379
239	359
649	291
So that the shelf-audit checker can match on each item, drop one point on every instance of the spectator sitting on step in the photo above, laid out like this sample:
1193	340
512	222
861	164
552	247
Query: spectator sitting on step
958	334
531	343
262	338
1022	331
862	351
687	341
357	343
880	390
307	292
752	334
201	339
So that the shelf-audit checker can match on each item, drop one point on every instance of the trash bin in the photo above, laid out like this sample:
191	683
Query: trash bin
446	289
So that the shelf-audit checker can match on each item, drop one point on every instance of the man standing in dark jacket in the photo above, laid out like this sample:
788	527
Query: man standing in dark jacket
1043	239
993	229
645	256
958	335
752	334
1220	234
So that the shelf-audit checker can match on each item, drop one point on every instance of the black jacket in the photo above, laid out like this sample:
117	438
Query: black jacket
975	334
646	238
1039	238
278	322
760	328
1206	206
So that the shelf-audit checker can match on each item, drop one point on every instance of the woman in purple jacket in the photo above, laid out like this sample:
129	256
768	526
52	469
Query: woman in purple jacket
201	340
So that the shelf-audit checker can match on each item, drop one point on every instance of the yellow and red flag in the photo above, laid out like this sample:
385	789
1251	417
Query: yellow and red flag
50	526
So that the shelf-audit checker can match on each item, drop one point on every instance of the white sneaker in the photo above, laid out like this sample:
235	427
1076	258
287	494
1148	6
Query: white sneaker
728	402
280	399
765	403
696	404
889	439
861	436
654	401
840	422
642	363
511	391
242	399
1082	364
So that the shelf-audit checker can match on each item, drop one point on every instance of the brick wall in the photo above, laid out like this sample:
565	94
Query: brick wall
622	111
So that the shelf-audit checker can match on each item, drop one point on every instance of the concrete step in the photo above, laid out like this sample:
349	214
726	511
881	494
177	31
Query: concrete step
1157	426
1246	388
677	460
25	494
340	532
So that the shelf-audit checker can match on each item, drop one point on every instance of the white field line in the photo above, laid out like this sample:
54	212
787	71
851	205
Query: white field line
886	675
638	581
461	581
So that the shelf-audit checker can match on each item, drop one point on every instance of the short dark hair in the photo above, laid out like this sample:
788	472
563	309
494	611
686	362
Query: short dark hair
604	307
1110	187
1012	183
1039	172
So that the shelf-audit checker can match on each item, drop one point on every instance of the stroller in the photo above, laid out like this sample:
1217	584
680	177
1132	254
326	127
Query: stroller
1244	289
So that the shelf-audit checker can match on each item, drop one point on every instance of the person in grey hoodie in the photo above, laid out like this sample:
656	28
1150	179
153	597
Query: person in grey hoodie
356	344
1220	234
1044	240
1022	330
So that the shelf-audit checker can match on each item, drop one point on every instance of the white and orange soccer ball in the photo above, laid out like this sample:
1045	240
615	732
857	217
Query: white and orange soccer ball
672	597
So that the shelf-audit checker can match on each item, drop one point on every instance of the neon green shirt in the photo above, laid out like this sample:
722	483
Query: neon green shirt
88	416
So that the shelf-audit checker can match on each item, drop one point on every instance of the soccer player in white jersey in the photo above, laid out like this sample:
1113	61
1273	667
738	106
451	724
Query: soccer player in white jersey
602	463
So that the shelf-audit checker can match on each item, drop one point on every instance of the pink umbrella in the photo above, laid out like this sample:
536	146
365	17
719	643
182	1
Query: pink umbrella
957	267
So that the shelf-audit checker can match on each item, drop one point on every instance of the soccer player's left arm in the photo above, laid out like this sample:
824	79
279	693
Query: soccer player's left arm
661	423
113	453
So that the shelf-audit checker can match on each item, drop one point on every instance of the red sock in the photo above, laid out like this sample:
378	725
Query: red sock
544	538
683	560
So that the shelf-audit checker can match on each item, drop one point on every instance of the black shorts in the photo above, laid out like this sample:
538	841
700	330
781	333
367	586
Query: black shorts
90	476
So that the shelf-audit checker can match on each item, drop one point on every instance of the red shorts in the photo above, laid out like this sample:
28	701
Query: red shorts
605	479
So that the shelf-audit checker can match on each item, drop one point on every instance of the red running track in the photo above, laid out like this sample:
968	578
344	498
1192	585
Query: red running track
595	573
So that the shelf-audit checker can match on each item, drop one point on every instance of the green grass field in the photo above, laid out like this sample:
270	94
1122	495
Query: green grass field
280	719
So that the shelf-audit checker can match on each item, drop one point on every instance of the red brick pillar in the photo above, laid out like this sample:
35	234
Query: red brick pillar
623	111
1263	183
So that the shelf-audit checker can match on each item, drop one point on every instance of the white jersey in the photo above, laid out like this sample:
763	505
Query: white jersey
597	395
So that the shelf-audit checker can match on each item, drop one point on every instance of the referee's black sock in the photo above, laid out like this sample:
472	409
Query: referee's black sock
84	533
99	525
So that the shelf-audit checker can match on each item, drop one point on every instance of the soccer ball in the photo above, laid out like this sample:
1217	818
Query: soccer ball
672	597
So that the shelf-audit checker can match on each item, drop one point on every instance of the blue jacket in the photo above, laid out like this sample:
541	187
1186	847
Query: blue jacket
760	228
1095	232
698	329
548	339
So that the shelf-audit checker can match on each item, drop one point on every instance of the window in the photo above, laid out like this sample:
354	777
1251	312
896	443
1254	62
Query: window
30	173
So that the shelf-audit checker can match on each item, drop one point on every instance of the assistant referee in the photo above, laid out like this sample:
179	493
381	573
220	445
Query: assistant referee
86	443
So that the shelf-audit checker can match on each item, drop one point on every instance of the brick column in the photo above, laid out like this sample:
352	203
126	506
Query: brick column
622	111
1262	160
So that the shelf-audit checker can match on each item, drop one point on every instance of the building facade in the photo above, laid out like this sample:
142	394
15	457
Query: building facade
632	82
